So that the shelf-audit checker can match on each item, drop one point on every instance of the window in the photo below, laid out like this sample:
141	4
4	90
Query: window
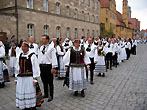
83	15
106	12
88	17
67	11
97	19
68	32
93	4
58	32
83	32
107	20
83	1
88	3
45	5
45	29
58	8
93	18
76	33
88	33
75	13
93	33
30	29
97	33
97	5
30	4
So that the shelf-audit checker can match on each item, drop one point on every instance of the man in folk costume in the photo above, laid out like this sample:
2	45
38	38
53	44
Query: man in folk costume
76	60
33	47
60	73
90	52
108	50
13	51
28	72
128	48
48	63
99	59
116	51
134	45
67	44
2	55
83	41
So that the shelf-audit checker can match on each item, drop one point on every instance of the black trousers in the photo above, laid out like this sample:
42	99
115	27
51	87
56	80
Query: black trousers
115	59
92	67
109	59
134	50
47	79
128	53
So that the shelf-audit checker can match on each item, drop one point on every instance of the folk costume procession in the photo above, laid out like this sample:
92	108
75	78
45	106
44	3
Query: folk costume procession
72	61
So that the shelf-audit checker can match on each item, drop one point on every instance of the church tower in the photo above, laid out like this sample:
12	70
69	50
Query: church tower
125	12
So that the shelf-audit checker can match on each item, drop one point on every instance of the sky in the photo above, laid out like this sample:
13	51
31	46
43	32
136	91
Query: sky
139	10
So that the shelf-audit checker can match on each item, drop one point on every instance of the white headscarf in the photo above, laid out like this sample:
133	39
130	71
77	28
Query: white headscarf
1	44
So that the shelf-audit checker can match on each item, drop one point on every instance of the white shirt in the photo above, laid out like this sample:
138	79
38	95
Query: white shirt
108	49
16	50
35	49
2	52
128	45
59	52
91	53
49	57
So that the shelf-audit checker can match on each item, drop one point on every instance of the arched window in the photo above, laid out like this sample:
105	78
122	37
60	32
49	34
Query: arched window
30	4
76	33
68	32
46	29
76	14
58	8
30	28
67	11
58	32
45	5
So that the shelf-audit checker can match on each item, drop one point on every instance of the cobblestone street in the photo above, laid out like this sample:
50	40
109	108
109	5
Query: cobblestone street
123	88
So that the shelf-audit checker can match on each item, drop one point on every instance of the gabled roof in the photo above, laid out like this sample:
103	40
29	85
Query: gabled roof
104	3
135	23
119	19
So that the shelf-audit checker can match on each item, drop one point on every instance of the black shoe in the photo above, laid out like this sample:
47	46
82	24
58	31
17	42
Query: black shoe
91	82
99	74
76	93
110	68
50	99
82	93
33	108
45	96
103	75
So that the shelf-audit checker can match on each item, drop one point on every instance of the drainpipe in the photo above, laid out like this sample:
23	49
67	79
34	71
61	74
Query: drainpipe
16	15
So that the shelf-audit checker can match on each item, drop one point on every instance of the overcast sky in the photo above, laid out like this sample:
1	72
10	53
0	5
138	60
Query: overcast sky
139	10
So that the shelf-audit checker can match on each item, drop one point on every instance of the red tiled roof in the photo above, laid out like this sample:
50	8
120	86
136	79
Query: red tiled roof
104	3
144	31
135	23
119	19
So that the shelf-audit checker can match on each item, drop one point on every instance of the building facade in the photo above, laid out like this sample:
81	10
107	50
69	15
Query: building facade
123	26
56	18
108	15
135	26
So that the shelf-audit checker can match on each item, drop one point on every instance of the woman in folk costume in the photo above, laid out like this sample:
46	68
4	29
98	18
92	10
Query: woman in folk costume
76	59
29	70
13	51
2	55
60	53
99	59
